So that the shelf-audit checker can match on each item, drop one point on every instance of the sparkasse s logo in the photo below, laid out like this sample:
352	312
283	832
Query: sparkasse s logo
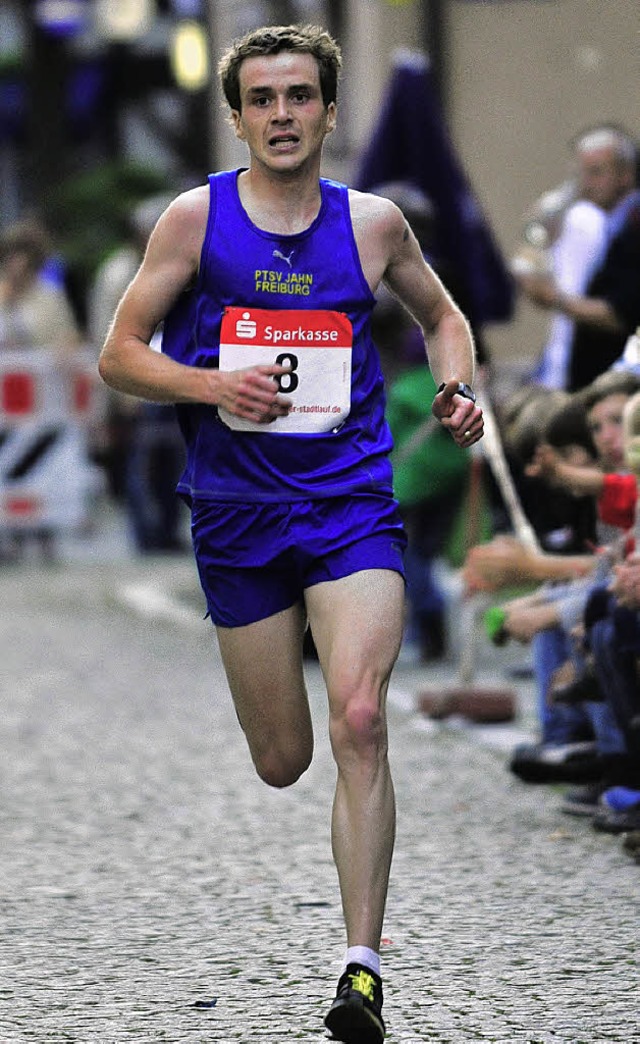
246	328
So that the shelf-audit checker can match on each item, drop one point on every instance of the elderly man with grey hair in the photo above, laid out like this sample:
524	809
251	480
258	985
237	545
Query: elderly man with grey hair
591	289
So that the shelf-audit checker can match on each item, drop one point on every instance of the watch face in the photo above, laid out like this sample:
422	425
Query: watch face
466	391
463	389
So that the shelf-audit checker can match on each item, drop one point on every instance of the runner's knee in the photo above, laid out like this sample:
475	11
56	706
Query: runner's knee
279	769
358	726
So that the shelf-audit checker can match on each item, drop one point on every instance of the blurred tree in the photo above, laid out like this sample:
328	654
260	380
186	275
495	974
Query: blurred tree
89	216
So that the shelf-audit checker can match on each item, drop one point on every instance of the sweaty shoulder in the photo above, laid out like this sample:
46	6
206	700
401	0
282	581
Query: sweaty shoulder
377	215
380	228
183	225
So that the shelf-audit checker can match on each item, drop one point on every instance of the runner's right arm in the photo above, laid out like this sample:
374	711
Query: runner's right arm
128	363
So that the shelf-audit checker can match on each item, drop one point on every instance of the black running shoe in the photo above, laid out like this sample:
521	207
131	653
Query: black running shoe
550	763
355	1015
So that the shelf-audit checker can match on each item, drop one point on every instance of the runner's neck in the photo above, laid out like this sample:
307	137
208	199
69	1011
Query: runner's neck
282	205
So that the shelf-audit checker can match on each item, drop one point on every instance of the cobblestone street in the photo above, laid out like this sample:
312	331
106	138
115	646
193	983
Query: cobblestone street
145	870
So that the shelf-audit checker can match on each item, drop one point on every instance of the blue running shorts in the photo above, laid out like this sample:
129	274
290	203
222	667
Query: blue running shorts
257	559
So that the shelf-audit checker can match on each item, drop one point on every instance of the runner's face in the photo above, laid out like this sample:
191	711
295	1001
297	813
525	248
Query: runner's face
283	119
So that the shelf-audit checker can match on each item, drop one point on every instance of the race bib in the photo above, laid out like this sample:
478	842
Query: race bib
315	346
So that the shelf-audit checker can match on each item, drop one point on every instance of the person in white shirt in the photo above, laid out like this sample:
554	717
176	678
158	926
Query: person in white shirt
573	257
605	173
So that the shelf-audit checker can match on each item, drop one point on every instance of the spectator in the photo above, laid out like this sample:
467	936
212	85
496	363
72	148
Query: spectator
551	615
606	311
563	523
116	272
614	640
144	454
563	238
34	313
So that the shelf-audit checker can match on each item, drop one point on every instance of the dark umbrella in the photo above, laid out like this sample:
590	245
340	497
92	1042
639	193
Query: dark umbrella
411	143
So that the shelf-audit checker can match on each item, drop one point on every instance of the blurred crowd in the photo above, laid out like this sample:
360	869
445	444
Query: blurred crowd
572	436
569	426
133	450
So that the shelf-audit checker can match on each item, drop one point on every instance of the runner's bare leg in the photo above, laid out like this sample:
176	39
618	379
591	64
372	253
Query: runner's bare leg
357	627
263	663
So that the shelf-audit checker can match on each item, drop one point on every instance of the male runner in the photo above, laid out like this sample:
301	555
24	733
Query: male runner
265	280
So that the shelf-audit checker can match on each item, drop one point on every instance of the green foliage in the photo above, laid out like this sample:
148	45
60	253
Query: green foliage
88	212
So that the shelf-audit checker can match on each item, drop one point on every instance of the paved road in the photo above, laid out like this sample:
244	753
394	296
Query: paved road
144	869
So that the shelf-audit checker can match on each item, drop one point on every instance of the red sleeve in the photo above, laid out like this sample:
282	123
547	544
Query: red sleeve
617	502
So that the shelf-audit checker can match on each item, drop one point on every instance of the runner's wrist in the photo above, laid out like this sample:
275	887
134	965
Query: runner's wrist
463	389
207	386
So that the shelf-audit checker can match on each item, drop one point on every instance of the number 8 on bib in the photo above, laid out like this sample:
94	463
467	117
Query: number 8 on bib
316	346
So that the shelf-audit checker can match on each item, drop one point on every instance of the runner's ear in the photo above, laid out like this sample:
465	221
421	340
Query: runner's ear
236	120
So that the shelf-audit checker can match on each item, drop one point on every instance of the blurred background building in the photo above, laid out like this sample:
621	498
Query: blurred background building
104	102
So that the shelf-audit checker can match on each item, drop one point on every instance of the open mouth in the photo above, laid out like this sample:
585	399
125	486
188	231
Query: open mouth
283	141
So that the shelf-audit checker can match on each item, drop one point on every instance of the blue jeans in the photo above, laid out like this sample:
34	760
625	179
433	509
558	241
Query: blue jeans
568	724
558	723
618	676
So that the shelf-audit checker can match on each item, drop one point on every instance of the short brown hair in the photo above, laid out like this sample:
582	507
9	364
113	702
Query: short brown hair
26	237
611	382
567	426
272	39
526	416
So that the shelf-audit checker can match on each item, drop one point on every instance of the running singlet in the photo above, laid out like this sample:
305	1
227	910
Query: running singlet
300	301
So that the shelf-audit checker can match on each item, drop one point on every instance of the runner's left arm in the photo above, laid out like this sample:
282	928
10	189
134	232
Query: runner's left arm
447	334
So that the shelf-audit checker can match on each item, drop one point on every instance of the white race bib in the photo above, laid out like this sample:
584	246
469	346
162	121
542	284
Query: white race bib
315	345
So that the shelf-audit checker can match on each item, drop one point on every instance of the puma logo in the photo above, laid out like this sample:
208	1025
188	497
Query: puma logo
283	257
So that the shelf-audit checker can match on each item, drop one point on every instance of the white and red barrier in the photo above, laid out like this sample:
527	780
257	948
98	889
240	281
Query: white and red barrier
47	409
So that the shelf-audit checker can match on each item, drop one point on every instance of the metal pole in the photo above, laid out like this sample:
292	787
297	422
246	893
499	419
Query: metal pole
47	75
213	96
436	44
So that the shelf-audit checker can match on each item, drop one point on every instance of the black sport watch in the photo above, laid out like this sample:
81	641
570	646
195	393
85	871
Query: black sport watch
463	389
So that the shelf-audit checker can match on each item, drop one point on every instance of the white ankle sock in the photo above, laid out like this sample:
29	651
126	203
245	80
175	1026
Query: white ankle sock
363	955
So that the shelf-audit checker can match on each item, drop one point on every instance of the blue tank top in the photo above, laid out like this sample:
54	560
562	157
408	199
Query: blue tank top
249	273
